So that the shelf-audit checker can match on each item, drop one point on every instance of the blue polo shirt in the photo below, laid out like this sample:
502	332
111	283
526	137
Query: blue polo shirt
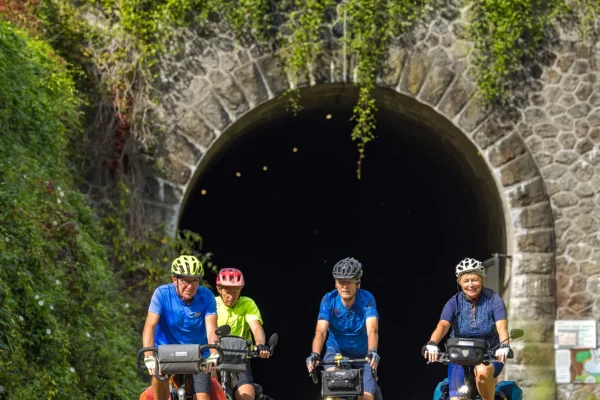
180	323
348	326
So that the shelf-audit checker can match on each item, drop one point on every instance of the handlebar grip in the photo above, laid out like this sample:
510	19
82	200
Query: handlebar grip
314	376
213	346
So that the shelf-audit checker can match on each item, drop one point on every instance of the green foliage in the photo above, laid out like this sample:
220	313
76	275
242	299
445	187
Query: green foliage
63	325
508	33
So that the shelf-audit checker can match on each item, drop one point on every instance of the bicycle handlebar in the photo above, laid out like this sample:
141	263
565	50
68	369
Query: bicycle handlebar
444	358
202	363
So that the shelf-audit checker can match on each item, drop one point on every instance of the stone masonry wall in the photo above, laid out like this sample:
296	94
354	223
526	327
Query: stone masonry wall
543	151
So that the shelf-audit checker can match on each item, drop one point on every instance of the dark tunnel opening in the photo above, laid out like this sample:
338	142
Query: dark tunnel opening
417	211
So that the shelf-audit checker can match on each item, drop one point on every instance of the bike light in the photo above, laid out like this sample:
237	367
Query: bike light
464	389
181	392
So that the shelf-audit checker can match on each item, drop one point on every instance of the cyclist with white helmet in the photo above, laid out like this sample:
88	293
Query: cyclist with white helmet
181	312
349	315
243	316
474	312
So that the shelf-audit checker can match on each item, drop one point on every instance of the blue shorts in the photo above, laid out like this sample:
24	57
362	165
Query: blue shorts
368	379
456	376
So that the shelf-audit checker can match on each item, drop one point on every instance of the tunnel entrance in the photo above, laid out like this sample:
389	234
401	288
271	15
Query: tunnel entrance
283	204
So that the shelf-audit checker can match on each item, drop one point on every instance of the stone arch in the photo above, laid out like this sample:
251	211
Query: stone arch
542	152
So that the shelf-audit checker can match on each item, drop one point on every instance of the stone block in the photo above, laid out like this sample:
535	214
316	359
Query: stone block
528	193
490	132
532	263
535	242
273	72
541	354
537	216
210	107
475	112
250	79
193	126
436	85
179	147
226	88
392	67
534	309
532	285
506	150
415	72
457	96
518	170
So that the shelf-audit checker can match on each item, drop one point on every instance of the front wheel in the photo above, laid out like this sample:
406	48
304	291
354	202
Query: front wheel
229	397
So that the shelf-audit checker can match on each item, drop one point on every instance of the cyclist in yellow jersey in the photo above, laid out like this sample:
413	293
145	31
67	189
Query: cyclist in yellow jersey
243	316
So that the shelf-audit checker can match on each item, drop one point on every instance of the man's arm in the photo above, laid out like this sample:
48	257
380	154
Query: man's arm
257	332
373	332
320	336
373	339
149	329
148	338
211	327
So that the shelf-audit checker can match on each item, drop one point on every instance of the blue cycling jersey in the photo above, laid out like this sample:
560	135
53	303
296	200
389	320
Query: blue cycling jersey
348	326
181	323
475	319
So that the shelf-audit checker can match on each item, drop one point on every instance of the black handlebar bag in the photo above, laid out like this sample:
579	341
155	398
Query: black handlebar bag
466	351
179	359
346	382
235	354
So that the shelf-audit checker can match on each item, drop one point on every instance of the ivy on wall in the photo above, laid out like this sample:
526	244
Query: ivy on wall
132	35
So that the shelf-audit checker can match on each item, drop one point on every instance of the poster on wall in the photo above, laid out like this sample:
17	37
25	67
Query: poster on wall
577	366
575	334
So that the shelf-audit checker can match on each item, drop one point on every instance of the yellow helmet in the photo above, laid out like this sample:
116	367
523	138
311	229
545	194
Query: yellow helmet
187	266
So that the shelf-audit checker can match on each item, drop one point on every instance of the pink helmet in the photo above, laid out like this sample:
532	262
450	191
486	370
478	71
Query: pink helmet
230	277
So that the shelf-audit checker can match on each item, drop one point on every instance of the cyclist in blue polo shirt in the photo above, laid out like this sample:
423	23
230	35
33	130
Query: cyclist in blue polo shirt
182	312
349	315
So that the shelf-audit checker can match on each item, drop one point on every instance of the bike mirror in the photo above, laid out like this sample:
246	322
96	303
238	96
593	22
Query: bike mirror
516	333
273	340
223	330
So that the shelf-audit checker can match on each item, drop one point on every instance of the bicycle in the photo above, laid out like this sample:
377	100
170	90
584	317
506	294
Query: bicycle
470	352
236	356
177	362
347	382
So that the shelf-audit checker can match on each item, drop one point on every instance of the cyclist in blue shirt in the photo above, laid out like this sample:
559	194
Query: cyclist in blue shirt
349	315
474	312
182	312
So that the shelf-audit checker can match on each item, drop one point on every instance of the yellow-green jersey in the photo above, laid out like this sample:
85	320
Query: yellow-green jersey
239	316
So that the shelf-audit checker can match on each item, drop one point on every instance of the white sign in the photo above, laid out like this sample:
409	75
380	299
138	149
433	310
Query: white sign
575	334
562	360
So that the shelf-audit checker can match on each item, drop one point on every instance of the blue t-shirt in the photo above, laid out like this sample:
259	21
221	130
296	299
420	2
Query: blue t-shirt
475	319
180	323
348	326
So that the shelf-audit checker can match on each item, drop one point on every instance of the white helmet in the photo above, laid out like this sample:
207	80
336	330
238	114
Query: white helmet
470	265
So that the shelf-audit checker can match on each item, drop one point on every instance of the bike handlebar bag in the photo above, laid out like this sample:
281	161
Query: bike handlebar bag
346	382
179	359
235	354
463	351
